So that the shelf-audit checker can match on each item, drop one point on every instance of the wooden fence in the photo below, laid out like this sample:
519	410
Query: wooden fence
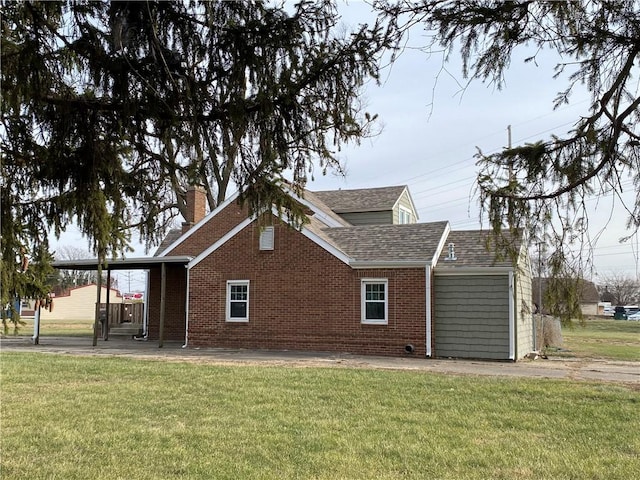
124	312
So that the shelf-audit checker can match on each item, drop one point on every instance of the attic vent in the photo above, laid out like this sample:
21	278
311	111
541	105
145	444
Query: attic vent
266	238
452	253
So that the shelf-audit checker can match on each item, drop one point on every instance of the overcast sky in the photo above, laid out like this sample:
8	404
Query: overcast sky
430	131
432	128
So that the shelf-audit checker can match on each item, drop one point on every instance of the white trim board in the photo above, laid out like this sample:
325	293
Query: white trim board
198	225
226	237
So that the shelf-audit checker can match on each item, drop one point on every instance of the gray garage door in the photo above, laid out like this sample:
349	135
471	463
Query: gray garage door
471	316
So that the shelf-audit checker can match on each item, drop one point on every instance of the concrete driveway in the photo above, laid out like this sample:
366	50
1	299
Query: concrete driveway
558	368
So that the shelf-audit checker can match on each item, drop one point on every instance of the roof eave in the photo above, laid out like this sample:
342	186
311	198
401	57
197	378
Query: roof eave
364	264
120	264
464	270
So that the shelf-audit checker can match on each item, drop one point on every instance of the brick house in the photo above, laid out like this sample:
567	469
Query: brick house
362	276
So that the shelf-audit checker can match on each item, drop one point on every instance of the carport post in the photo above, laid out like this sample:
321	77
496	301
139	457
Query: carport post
36	326
163	288
96	321
106	319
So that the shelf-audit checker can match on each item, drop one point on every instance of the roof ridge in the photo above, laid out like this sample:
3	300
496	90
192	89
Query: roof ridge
359	189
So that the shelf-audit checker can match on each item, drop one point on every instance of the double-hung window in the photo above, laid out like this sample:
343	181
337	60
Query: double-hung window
404	215
238	301
375	300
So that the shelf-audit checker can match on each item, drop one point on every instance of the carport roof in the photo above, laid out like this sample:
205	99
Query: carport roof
121	264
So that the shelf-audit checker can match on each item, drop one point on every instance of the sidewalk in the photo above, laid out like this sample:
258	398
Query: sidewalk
557	368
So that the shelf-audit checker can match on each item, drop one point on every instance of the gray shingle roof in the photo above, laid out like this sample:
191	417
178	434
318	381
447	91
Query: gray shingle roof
171	237
409	242
471	251
361	200
313	198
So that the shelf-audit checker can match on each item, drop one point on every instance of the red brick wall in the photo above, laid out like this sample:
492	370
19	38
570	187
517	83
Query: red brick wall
203	238
174	323
300	298
211	231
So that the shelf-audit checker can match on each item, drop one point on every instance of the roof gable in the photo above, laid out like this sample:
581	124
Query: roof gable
407	195
313	234
318	210
391	245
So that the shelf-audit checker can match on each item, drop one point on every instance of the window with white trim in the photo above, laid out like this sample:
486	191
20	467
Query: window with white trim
238	301
374	300
404	215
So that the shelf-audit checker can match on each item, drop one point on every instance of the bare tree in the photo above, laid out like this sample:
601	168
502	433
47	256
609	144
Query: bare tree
622	288
75	278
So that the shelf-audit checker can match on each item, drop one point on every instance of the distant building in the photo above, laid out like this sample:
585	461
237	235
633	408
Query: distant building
78	303
589	297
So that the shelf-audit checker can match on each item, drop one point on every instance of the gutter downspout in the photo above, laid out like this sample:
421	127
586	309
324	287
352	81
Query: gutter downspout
512	318
145	315
186	311
427	278
107	319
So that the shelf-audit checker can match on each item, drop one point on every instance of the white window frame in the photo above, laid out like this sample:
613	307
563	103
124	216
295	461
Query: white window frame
230	284
363	300
406	212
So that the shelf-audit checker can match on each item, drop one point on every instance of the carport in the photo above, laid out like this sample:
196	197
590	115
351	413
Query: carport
142	263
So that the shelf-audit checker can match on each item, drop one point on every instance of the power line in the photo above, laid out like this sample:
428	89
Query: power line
494	150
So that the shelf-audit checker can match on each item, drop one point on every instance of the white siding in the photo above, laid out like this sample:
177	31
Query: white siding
524	308
405	202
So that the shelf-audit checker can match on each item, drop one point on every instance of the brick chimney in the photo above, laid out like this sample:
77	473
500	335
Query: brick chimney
196	200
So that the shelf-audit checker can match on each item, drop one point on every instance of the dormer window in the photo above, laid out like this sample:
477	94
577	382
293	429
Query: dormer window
404	215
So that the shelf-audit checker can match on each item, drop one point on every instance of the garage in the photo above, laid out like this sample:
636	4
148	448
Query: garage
473	316
481	302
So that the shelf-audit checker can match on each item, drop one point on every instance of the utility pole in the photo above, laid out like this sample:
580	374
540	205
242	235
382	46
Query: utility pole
128	274
509	147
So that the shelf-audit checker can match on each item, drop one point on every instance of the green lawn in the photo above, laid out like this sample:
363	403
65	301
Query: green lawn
58	327
115	418
604	338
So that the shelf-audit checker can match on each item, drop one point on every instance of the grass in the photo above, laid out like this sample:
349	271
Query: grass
57	327
114	418
604	338
601	338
